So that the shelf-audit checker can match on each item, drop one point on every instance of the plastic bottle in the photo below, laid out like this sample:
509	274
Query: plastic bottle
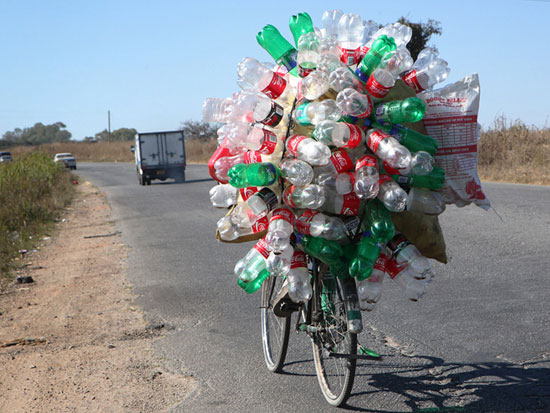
257	206
399	111
281	227
339	134
369	291
308	54
343	78
253	75
434	180
229	231
340	161
353	103
248	267
366	177
223	196
317	224
278	47
308	150
391	194
257	174
300	24
383	78
414	141
255	284
256	107
238	135
315	85
388	149
399	32
362	264
224	164
405	253
297	172
312	113
310	196
215	110
299	285
424	77
425	201
327	251
378	222
380	47
350	37
341	204
341	183
412	287
330	21
278	263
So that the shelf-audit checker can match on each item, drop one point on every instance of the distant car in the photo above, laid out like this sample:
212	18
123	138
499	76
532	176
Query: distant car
67	158
5	157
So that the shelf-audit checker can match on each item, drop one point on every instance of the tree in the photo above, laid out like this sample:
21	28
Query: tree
202	131
122	134
38	134
421	34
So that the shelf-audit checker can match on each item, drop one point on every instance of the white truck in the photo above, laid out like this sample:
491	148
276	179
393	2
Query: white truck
159	155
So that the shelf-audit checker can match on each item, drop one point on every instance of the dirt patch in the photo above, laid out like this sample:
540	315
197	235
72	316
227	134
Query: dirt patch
72	341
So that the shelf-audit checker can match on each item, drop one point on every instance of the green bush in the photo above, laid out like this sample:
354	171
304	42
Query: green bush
32	191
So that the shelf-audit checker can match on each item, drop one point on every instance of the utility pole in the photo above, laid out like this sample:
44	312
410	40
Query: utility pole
109	123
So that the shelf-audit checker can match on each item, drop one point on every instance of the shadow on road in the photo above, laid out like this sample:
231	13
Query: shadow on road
436	386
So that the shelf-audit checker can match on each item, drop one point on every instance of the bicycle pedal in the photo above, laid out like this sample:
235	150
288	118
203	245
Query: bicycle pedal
283	306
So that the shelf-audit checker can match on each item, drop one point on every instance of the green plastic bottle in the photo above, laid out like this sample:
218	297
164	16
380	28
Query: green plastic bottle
255	174
399	111
278	47
380	47
434	180
362	264
412	140
378	222
300	24
254	285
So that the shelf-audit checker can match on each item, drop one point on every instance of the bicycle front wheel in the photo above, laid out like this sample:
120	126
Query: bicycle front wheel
275	330
334	347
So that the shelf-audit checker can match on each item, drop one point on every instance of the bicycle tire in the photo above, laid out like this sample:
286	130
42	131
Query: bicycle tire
275	330
335	374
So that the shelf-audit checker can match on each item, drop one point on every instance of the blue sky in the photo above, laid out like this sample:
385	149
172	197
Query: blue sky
152	64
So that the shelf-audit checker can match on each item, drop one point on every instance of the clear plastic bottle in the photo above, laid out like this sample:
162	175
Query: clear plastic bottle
238	135
354	103
224	164
339	161
388	149
215	110
399	32
369	291
405	253
341	204
308	53
278	263
311	222
343	78
315	85
297	172
383	78
330	22
312	113
341	183
366	177
350	37
427	71
248	267
339	134
257	206
223	196
310	196
281	227
425	201
299	285
412	287
253	75
256	107
308	150
391	194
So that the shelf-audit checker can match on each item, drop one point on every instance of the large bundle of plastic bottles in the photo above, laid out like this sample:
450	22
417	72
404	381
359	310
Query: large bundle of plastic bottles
314	156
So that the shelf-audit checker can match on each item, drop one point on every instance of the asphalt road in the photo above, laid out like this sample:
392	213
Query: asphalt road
478	341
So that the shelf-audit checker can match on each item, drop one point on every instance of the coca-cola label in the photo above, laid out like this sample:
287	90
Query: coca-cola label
380	263
298	260
261	247
287	196
376	89
389	169
274	116
284	214
375	137
392	269
276	87
301	114
355	135
269	197
269	142
366	161
411	80
303	221
349	56
252	157
304	71
363	50
341	160
397	243
293	142
350	206
384	178
248	192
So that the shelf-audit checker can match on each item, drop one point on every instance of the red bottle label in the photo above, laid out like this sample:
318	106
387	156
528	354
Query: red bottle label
367	160
392	269
287	196
248	192
276	87
298	260
275	115
363	50
376	89
411	80
384	178
269	143
303	221
261	247
252	157
390	170
355	135
285	214
341	160
293	142
350	205
380	263
375	137
349	56
304	71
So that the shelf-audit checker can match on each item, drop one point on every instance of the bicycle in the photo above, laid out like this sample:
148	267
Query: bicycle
332	320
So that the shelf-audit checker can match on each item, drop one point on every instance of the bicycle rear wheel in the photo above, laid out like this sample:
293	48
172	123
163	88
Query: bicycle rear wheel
275	330
334	347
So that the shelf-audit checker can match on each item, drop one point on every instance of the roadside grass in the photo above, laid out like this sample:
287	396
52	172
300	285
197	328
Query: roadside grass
33	189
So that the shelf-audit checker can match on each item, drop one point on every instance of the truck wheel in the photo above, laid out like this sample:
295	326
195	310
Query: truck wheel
147	181
180	177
